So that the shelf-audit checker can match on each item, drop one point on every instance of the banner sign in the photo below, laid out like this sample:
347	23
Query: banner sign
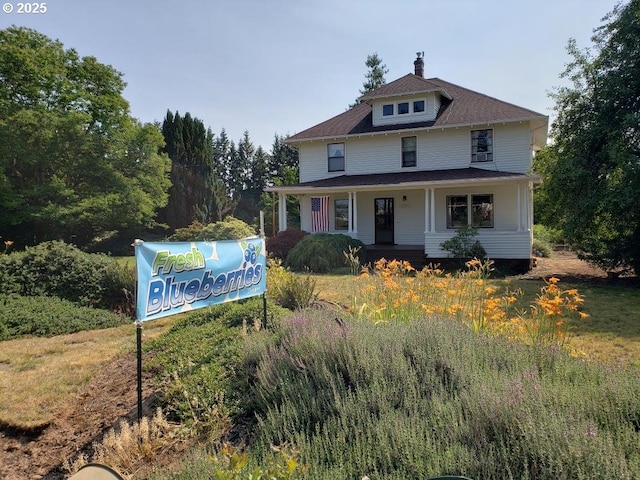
176	277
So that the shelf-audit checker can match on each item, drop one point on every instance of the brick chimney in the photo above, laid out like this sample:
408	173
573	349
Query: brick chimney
419	64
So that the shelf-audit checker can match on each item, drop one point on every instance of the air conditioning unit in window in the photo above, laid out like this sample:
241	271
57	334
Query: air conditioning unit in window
481	157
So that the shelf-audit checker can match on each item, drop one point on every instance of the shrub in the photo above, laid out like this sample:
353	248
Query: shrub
62	270
322	252
280	245
547	234
429	397
464	245
228	229
197	359
50	316
541	248
289	290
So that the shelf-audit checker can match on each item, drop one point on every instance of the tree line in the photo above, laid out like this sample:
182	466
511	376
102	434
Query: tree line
76	166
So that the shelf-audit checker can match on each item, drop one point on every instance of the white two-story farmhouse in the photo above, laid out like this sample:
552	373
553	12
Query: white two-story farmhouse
415	160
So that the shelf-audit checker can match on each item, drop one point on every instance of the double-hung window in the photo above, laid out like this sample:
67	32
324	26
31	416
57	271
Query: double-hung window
474	210
335	153
409	156
341	207
481	146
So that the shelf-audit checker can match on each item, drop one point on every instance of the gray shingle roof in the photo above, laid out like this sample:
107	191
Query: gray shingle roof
417	177
466	107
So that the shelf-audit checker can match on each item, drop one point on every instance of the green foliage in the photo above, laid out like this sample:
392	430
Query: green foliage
288	289
374	77
322	252
541	248
464	245
73	163
592	174
548	234
62	270
190	146
228	229
429	397
197	360
231	463
280	245
50	316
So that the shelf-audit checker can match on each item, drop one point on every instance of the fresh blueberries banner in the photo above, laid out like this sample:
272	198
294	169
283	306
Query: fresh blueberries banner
175	277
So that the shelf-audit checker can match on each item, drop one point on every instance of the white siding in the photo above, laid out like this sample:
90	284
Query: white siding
436	150
496	244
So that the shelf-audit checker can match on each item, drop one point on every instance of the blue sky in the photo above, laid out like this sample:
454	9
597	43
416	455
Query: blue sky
282	66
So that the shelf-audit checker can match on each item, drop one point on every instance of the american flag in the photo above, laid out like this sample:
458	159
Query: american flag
320	214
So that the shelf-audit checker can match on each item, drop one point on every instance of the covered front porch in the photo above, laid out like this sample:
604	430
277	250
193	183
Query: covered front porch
411	215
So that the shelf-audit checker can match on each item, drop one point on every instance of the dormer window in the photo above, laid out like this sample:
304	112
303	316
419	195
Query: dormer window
387	110
481	146
403	108
418	106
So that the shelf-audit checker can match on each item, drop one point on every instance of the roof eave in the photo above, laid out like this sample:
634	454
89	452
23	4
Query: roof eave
416	129
300	190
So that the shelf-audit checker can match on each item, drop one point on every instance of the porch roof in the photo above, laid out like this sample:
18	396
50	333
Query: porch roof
377	181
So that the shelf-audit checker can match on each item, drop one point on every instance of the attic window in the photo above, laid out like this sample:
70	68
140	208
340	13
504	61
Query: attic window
418	106
387	109
403	108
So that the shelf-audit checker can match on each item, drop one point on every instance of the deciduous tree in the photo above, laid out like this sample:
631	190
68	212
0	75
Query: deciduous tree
593	174
73	163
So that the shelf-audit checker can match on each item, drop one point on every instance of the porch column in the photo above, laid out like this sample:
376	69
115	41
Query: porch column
282	212
519	207
432	212
350	216
427	210
529	225
355	213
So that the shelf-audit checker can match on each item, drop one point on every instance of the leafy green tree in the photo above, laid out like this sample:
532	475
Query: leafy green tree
375	76
283	170
593	174
74	164
191	148
240	167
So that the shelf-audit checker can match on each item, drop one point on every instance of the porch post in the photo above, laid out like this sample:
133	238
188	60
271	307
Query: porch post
427	211
355	214
432	213
350	216
282	212
530	206
519	208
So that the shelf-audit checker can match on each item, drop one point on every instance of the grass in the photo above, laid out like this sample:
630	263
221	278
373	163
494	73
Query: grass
39	375
611	333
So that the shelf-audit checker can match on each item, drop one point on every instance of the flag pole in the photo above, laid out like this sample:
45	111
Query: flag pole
264	294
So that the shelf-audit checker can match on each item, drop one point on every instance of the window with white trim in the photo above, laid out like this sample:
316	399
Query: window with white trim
335	154
387	110
341	209
409	153
403	108
474	210
481	146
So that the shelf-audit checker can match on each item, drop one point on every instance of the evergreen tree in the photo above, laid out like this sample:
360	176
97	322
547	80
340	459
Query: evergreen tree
191	148
375	76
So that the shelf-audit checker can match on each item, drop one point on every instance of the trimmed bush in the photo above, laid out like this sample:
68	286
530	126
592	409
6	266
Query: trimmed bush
322	253
280	245
50	316
62	270
228	229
